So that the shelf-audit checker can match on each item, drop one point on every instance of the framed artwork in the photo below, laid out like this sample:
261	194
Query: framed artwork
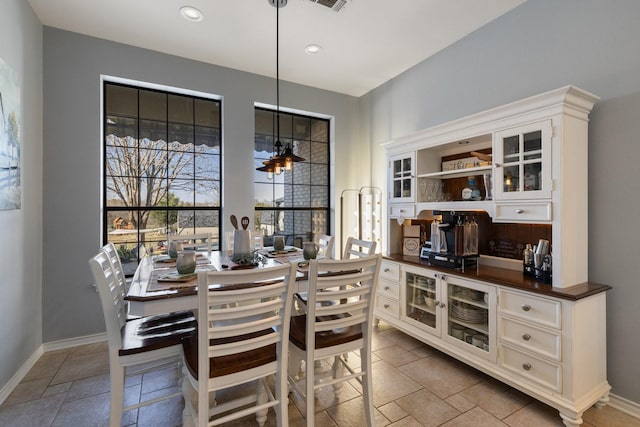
10	187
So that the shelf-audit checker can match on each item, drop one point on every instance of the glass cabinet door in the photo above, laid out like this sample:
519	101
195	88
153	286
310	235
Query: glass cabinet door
522	158
422	304
401	176
470	318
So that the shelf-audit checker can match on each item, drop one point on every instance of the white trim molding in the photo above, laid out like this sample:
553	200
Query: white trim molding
624	405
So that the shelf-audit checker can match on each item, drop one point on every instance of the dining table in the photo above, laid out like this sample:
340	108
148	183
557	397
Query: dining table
157	288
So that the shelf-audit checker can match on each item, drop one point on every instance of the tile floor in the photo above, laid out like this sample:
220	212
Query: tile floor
414	385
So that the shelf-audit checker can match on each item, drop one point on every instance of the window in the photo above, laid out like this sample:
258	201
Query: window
161	168
296	203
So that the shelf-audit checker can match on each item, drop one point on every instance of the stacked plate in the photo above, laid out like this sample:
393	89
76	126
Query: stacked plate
468	313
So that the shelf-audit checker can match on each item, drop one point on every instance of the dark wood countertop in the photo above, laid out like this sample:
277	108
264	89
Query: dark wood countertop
509	278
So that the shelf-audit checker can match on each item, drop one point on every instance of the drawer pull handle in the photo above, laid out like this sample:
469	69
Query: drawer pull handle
442	305
386	306
386	288
386	270
519	211
526	307
526	366
526	337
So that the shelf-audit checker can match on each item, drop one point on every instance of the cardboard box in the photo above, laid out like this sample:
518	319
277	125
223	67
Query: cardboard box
411	231
411	246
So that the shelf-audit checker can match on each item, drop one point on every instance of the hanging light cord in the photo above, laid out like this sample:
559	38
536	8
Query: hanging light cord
277	78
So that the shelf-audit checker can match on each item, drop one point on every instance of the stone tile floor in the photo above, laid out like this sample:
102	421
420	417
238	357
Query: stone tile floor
414	385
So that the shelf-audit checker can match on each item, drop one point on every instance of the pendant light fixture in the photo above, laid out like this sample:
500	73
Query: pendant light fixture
283	159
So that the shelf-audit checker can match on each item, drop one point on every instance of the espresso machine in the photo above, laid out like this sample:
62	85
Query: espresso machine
453	242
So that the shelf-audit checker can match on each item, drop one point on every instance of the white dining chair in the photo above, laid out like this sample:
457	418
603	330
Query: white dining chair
243	329
197	241
338	321
114	258
325	245
358	248
139	345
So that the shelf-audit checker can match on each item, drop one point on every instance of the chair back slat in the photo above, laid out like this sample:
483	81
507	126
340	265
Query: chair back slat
341	300
244	345
197	241
110	297
112	252
356	248
325	245
218	331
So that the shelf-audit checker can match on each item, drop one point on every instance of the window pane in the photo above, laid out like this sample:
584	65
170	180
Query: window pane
153	134
303	149
319	174
207	193
121	160
303	223
302	128
319	153
301	195
286	126
121	126
319	196
320	130
183	189
180	109
301	173
153	105
207	113
207	166
264	121
208	139
180	133
121	100
153	193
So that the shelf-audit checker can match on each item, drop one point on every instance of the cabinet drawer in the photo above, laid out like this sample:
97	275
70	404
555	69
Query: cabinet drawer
530	338
387	305
389	289
523	212
389	270
402	210
531	368
534	309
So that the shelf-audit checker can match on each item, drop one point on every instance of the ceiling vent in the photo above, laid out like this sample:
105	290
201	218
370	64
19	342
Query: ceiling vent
335	5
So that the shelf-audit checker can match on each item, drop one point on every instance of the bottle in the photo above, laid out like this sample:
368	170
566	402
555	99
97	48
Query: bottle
527	255
474	236
467	236
471	192
435	235
459	237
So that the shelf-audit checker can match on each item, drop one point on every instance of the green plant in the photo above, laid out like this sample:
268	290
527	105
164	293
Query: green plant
251	258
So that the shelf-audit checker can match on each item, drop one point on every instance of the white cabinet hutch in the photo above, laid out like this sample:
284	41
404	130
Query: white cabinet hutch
548	341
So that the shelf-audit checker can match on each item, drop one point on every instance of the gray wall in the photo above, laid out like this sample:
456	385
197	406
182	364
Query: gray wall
540	46
73	64
21	230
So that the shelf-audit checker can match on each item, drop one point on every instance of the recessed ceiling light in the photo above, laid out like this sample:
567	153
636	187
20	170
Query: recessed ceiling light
191	13
313	49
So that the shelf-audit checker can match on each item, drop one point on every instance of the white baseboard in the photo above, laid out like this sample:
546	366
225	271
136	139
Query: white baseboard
18	376
50	346
74	342
624	405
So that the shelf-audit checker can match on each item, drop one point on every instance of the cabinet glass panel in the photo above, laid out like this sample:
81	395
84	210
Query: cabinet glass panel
397	188
406	166
421	299
511	149
468	316
532	176
532	145
406	187
397	168
511	178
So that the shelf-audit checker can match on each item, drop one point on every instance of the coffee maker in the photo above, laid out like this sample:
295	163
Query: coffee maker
456	242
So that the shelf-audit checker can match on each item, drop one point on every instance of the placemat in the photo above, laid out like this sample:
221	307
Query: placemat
166	280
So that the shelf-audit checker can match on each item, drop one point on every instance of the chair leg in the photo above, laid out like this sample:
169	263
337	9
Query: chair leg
367	387
337	371
117	395
261	416
310	401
